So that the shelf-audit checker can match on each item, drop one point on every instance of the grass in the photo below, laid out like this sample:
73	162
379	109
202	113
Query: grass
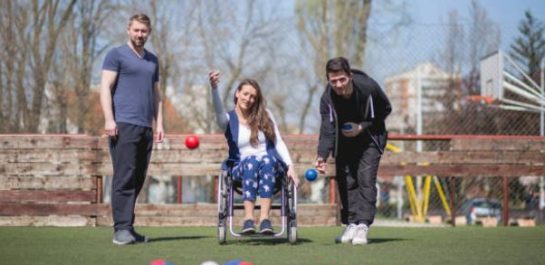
193	245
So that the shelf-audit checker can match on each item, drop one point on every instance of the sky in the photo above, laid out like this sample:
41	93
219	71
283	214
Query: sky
423	39
506	13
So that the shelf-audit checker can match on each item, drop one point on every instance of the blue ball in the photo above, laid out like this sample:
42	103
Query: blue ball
346	127
311	174
233	262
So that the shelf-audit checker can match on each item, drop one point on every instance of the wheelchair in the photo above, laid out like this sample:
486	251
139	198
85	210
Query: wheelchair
228	187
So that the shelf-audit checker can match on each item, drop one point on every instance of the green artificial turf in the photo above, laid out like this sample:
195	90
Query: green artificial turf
194	245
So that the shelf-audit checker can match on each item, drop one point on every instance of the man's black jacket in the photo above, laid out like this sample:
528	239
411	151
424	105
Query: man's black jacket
371	102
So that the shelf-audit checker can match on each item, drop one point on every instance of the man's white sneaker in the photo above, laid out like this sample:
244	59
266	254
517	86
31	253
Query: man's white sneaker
360	236
347	234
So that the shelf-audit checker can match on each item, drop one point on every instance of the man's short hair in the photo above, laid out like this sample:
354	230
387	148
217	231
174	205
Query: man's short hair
142	18
337	64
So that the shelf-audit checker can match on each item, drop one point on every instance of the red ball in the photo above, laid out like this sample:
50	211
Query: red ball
192	142
160	262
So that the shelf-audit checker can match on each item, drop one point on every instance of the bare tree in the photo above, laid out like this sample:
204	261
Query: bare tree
2	89
246	42
49	18
89	21
483	38
330	28
171	29
70	78
71	75
32	29
238	46
162	43
450	58
57	101
13	20
453	54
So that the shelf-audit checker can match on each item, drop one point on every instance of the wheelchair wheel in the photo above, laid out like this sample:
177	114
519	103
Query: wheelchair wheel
292	232
222	209
292	213
222	234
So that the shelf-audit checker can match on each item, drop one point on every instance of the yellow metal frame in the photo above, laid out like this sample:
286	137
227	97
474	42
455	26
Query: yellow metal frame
419	210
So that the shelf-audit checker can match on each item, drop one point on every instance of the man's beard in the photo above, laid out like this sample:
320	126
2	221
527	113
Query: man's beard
345	92
139	43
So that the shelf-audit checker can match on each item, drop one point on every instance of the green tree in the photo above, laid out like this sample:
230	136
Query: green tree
529	48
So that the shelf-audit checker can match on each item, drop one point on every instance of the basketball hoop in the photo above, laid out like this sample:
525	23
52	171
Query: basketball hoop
505	85
485	100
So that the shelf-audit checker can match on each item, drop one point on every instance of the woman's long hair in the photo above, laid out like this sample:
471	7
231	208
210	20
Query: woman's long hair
258	117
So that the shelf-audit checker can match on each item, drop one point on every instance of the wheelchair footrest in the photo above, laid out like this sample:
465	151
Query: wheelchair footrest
256	207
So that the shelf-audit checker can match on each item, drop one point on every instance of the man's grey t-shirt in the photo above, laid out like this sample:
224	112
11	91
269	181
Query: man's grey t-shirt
133	92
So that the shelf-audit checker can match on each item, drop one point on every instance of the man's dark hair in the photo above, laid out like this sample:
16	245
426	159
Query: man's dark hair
337	64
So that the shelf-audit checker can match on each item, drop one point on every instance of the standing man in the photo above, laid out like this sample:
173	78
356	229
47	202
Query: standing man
353	108
131	102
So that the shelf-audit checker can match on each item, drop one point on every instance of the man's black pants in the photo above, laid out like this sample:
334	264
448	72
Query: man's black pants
357	178
131	152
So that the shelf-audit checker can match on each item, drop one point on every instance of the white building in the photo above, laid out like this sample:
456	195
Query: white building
402	90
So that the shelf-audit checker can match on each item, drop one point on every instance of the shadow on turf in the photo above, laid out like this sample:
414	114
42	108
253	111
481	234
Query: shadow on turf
384	240
277	241
175	238
265	241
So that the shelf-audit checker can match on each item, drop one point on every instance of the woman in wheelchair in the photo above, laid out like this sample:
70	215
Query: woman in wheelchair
256	149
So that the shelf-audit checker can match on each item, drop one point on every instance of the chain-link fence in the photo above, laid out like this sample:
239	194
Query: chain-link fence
429	72
432	77
431	86
471	198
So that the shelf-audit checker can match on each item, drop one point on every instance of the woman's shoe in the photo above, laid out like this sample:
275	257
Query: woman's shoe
248	227
265	227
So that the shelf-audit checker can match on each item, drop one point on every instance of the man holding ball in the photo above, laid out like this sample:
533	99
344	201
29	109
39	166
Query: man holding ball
353	108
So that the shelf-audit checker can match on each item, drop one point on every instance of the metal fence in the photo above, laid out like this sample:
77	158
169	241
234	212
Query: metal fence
431	78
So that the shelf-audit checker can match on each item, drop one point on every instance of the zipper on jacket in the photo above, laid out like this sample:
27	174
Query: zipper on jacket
333	115
336	133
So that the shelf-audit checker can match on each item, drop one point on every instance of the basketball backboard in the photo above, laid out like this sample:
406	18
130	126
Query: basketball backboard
492	75
505	84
